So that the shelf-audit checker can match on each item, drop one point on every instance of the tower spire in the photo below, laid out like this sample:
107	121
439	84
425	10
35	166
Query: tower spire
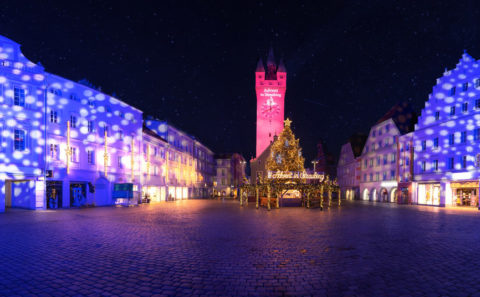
271	66
260	67
270	57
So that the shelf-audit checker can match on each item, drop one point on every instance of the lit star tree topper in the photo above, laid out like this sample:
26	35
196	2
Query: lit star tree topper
286	153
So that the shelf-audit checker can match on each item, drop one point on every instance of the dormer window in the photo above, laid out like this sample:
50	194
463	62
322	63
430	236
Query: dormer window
73	96
56	91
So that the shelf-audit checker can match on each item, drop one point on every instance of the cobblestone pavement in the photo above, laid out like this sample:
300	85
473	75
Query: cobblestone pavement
215	248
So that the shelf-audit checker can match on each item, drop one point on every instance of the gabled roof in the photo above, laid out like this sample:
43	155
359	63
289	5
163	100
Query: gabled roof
357	142
402	115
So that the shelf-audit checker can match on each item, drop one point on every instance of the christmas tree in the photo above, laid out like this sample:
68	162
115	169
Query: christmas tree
285	153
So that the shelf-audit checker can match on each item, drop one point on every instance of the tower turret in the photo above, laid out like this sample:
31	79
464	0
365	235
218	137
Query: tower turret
271	66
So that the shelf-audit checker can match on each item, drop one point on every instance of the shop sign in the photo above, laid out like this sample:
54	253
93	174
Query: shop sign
294	175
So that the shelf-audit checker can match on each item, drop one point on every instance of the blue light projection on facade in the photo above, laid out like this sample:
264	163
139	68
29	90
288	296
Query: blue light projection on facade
447	139
91	141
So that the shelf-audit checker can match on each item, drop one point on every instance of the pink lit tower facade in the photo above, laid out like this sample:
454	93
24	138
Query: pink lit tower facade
270	86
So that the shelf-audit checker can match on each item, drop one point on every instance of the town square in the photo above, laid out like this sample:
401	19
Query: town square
239	149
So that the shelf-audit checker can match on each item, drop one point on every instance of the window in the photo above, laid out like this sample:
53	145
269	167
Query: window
435	165
364	177
465	86
379	131
464	161
451	139
450	163
476	134
385	157
365	163
73	154
452	91
407	161
477	104
378	161
465	107
373	133
392	158
74	97
424	145
371	176
73	121
108	108
56	92
380	144
435	143
90	157
392	174
384	177
91	126
53	116
387	128
464	137
437	115
155	151
377	176
54	151
452	110
120	134
91	103
407	147
477	83
19	140
366	149
119	162
18	96
371	162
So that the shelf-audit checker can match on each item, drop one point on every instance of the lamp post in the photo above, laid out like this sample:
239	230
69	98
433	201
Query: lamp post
314	162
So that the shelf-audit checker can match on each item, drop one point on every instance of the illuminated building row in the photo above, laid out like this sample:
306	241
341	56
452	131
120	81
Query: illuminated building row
437	162
67	144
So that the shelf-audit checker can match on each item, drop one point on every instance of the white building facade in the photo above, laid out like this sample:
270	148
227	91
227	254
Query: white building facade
447	139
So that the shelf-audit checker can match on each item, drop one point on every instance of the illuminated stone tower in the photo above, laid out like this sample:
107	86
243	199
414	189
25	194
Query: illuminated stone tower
270	87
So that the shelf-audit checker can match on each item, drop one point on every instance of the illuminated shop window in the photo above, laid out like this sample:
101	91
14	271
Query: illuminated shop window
91	157
73	121
19	140
18	96
452	110
450	163
53	116
452	91
465	107
465	86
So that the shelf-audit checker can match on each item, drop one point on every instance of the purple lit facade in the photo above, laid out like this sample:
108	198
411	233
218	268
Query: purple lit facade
92	142
447	139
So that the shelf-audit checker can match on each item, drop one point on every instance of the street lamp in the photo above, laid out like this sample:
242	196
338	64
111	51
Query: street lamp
314	162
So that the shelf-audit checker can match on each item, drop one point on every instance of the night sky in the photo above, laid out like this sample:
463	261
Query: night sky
192	63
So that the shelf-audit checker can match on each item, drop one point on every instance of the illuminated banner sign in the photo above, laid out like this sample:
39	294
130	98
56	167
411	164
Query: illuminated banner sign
294	174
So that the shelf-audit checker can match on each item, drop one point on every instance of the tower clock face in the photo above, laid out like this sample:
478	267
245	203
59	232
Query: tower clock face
270	108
